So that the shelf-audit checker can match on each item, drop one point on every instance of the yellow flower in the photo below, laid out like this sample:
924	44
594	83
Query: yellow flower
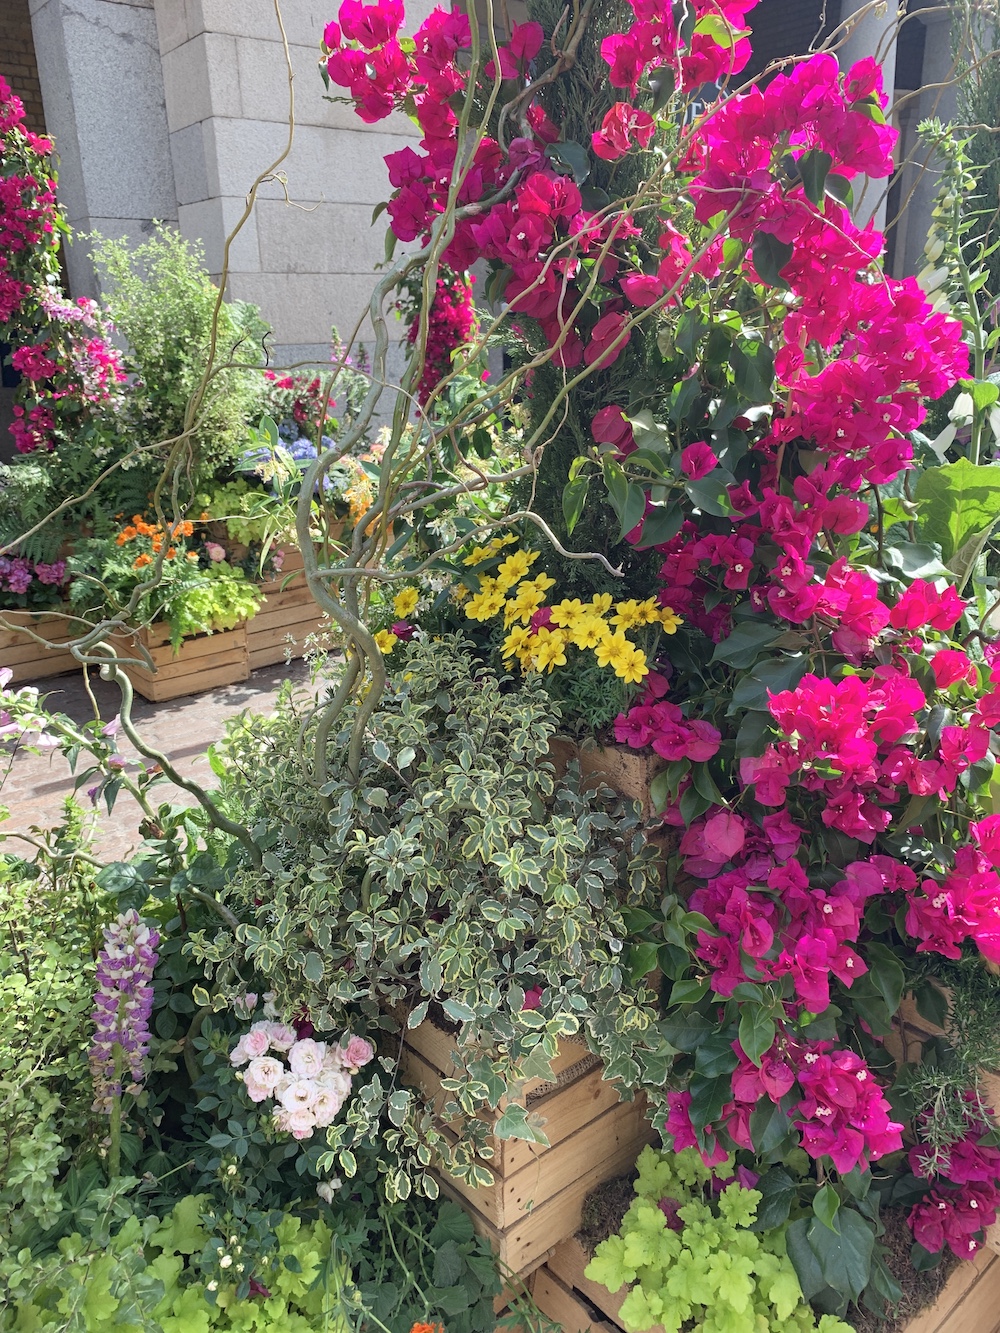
459	593
587	631
541	581
515	568
405	602
517	644
601	602
386	640
549	650
633	613
614	648
484	605
523	605
634	668
568	612
477	555
670	620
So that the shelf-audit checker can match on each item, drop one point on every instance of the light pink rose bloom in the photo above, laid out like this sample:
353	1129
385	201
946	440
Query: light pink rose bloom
337	1081
215	552
262	1077
281	1035
306	1057
300	1124
297	1094
245	1004
355	1053
239	1055
325	1107
257	1041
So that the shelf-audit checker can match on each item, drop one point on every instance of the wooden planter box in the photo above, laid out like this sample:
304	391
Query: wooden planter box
28	660
538	1191
205	661
286	619
969	1303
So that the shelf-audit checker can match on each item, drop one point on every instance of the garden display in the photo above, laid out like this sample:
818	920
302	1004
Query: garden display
641	834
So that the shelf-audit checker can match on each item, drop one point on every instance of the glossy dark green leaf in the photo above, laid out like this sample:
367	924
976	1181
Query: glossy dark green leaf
574	500
756	1032
778	1192
826	1206
662	524
573	158
769	257
814	168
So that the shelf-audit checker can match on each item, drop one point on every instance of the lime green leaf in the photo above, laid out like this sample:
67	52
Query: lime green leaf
956	502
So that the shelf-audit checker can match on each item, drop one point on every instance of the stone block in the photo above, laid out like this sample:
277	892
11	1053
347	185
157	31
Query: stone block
328	238
187	151
302	307
201	79
210	222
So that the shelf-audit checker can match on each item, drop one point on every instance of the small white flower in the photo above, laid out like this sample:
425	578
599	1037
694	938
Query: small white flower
226	1261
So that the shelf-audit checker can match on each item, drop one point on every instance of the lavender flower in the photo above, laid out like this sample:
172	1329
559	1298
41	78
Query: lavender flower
123	1002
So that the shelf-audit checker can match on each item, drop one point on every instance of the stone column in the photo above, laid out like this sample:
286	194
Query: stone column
870	30
102	88
939	97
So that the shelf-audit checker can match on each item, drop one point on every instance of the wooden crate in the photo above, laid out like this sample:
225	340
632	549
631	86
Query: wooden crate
287	617
969	1302
538	1190
626	771
28	660
204	662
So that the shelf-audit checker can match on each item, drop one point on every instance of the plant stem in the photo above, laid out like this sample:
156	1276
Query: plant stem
115	1149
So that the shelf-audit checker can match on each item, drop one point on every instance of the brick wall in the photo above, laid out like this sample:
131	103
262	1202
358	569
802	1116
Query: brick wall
17	60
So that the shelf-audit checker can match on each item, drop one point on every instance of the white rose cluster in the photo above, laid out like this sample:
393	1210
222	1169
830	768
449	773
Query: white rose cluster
311	1087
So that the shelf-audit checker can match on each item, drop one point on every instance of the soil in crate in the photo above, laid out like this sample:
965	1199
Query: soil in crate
537	1196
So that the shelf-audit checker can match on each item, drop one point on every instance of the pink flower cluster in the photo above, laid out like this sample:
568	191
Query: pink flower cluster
450	323
17	574
314	1084
966	1194
27	205
841	1112
653	43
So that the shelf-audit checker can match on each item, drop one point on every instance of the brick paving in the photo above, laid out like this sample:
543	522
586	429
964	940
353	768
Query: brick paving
37	785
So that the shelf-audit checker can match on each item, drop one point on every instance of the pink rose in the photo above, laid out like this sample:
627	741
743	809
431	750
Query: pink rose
262	1077
299	1123
698	460
356	1053
306	1058
281	1036
215	552
324	1109
297	1094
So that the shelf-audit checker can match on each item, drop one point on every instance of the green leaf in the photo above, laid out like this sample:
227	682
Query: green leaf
886	974
662	524
839	188
449	1265
766	678
313	967
769	1127
932	1003
716	1056
688	991
826	1206
747	641
574	500
804	1259
682	396
814	167
709	493
756	1032
513	1124
984	394
844	1259
753	370
956	502
769	257
708	1096
572	158
778	1193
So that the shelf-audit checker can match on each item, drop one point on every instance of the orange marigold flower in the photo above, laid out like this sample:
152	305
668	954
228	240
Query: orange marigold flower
171	552
140	560
187	528
427	1328
192	556
203	516
126	535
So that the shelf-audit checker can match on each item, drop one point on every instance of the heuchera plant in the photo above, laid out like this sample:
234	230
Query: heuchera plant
754	382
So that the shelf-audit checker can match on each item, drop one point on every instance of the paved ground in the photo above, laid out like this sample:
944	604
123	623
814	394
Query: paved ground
37	785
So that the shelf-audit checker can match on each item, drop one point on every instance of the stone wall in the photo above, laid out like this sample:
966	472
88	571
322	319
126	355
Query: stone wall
17	60
307	254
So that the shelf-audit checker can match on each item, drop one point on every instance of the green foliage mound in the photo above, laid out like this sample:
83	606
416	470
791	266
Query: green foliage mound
713	1273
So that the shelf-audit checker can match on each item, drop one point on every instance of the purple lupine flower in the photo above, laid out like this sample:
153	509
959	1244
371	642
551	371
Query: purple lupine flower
123	1002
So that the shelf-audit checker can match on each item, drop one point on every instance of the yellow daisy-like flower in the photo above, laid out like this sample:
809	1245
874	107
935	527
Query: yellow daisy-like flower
515	568
549	650
613	649
588	631
669	620
484	605
633	669
631	614
386	640
459	593
568	612
601	602
477	555
541	581
523	605
517	644
405	602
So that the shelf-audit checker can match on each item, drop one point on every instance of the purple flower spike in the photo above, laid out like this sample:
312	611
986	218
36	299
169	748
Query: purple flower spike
123	1002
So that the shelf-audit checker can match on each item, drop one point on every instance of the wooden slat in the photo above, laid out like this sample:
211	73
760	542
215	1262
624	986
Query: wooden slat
562	1115
564	1306
158	691
568	1261
535	1234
